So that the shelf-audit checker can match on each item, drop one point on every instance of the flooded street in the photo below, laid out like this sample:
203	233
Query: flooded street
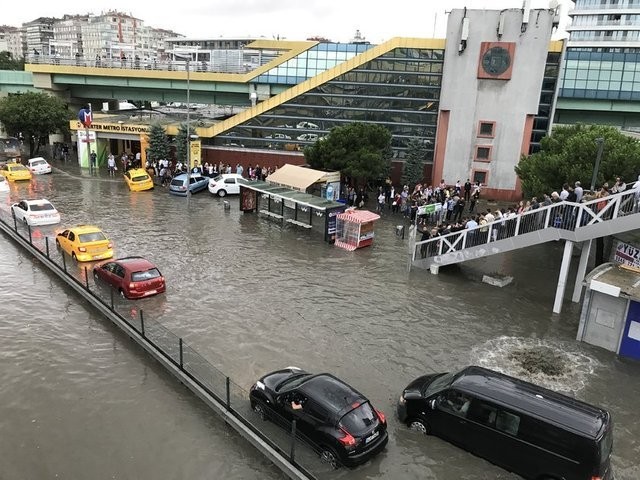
79	400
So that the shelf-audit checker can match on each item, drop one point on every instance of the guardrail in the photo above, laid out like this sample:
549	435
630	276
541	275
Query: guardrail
215	66
286	447
564	216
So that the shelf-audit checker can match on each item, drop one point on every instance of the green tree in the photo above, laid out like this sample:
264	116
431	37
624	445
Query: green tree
358	150
159	143
36	116
181	143
7	62
413	171
569	154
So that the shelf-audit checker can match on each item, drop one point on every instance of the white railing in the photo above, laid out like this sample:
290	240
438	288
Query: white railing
566	216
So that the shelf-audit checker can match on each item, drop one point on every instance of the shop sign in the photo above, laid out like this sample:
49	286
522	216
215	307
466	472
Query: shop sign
627	254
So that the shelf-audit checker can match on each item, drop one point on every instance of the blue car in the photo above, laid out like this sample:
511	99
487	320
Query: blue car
197	183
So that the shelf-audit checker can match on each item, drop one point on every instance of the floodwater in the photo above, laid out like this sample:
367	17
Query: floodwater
79	400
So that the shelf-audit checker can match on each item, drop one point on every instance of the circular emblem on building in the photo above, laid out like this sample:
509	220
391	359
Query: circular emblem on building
496	61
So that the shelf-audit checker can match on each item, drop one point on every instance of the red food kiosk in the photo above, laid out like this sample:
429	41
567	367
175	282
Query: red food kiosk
354	229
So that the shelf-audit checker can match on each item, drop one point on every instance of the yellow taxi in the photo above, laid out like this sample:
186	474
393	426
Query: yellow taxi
15	172
84	243
138	180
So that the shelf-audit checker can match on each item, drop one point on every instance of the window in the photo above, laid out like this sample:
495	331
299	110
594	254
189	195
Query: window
480	176
483	413
486	129
483	153
507	422
455	402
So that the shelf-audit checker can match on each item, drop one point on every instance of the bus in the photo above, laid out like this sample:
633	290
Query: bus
10	150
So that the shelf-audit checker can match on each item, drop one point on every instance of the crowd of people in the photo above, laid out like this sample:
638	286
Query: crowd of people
449	213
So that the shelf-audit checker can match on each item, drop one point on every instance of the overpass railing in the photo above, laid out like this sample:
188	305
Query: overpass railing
214	66
566	216
280	434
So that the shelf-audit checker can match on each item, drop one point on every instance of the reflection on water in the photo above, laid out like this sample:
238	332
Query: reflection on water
251	296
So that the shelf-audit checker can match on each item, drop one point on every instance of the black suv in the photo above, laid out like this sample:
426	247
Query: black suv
337	420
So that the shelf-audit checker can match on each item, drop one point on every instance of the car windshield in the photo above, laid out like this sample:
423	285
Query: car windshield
359	420
38	162
177	182
91	237
146	275
39	207
439	384
140	178
218	178
292	382
17	167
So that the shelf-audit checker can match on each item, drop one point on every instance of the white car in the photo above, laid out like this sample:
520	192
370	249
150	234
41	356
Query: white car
225	184
279	136
35	212
4	185
308	125
308	137
39	166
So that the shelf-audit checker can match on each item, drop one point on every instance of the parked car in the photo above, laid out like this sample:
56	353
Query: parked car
138	179
308	125
225	184
85	243
38	166
308	137
197	183
335	419
35	212
524	428
15	172
132	277
4	185
279	136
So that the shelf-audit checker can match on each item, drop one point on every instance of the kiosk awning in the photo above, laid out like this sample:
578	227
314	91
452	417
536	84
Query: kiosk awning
296	196
295	177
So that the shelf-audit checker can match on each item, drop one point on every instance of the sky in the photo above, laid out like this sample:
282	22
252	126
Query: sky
338	21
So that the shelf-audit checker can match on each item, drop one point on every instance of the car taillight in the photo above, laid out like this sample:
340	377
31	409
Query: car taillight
82	249
347	440
110	245
183	188
596	477
132	286
381	416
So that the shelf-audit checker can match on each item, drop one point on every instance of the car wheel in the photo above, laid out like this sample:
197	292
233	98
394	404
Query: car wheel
57	244
329	457
95	276
419	425
259	409
73	255
222	193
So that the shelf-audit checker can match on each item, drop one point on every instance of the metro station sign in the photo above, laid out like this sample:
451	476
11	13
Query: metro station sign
110	127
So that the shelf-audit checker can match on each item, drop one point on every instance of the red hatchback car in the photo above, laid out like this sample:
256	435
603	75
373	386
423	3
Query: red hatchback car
133	277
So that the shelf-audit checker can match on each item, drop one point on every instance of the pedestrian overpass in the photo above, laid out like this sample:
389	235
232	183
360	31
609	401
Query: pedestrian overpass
572	222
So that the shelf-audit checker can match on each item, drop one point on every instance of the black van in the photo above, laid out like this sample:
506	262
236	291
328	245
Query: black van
534	432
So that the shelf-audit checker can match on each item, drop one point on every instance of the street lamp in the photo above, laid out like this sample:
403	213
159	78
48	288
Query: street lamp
600	143
187	65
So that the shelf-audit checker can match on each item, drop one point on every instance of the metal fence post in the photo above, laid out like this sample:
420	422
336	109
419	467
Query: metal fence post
181	353
292	455
46	244
86	278
141	322
228	394
15	223
111	295
64	262
30	239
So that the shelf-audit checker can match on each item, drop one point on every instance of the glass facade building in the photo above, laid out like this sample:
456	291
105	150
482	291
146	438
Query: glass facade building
400	89
602	61
542	121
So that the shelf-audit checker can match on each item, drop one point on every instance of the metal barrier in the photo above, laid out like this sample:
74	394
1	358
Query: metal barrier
567	218
287	449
